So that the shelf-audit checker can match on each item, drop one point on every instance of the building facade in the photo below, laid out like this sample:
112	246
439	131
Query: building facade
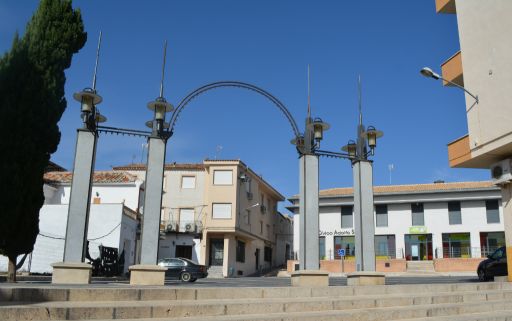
414	222
113	220
222	214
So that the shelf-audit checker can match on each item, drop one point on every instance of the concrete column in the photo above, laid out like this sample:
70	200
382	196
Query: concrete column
506	198
363	216
152	201
80	197
308	207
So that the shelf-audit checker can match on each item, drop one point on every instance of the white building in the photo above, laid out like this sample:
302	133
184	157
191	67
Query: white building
415	222
112	220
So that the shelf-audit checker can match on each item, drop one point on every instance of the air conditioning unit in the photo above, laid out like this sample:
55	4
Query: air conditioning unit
501	172
189	227
170	228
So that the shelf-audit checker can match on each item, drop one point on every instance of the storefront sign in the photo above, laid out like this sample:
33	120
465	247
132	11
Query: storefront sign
337	232
418	230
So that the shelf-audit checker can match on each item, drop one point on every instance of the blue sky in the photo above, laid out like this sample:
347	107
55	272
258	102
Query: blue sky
269	44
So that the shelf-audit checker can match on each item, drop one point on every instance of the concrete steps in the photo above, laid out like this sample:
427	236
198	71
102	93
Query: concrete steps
392	302
215	272
420	266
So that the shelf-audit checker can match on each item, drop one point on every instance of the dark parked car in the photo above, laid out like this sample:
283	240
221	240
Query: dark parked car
183	269
495	265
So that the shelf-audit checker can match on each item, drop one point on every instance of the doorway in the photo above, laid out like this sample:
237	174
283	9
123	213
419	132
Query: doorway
217	252
418	247
257	254
184	251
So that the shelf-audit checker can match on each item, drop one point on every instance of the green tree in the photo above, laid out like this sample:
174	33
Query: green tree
31	103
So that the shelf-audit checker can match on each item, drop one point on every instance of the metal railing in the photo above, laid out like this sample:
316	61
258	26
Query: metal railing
465	251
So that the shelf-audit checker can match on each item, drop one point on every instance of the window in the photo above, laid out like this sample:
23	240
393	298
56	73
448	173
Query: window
456	245
344	242
347	220
224	177
385	246
381	214
268	230
261	227
418	217
491	241
454	216
188	182
493	211
220	210
321	248
267	254
240	251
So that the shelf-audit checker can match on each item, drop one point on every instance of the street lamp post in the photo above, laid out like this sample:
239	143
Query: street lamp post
363	194
308	192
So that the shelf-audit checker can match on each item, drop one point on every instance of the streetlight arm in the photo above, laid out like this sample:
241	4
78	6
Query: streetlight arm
461	87
332	154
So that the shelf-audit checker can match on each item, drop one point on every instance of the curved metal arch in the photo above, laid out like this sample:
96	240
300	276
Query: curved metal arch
184	102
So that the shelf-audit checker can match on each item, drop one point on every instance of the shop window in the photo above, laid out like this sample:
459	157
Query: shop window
381	215
321	247
457	245
344	242
454	214
493	211
490	242
267	254
418	217
347	220
385	246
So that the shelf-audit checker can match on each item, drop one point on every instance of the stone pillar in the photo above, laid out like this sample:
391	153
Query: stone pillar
308	208
363	216
73	269
147	272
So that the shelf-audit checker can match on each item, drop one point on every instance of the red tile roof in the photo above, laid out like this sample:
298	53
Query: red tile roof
413	188
456	186
99	177
170	166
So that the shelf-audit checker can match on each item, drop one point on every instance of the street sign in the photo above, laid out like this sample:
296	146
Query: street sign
341	252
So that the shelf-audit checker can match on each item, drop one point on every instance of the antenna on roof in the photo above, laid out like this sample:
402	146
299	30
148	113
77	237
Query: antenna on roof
309	96
163	71
96	64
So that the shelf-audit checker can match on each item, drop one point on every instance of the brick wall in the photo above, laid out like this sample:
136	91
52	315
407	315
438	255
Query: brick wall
456	265
335	266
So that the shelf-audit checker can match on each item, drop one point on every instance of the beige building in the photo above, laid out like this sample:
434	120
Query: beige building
221	214
482	67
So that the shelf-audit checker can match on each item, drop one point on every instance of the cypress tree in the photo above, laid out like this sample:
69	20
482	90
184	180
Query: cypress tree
31	104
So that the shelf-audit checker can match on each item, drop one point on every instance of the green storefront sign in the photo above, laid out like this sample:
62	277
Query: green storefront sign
418	230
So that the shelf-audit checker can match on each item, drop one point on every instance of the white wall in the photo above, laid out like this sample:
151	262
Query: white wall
104	226
109	193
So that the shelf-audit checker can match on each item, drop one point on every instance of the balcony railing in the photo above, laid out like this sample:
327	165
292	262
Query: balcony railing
173	226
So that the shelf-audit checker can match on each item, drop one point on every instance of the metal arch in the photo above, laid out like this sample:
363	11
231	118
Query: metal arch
184	102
